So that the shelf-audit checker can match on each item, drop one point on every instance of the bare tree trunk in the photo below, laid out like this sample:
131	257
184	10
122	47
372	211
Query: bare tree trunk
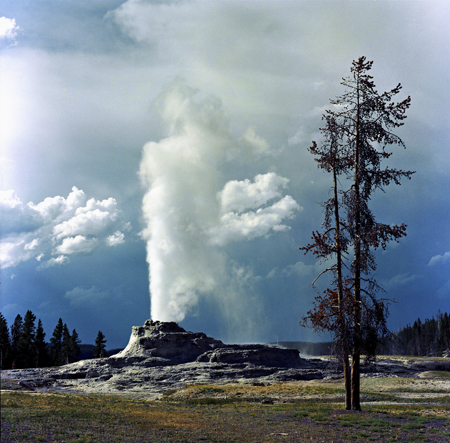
343	347
356	357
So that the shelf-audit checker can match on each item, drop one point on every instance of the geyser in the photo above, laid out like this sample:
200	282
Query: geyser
191	215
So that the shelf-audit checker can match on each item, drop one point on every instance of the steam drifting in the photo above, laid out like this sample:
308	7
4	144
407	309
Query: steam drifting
190	219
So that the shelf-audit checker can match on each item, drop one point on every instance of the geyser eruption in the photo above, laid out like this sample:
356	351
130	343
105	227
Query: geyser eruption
189	218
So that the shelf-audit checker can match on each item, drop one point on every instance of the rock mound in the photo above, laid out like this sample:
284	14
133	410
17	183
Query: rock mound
170	342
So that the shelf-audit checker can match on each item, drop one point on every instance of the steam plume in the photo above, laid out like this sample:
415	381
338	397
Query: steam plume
189	219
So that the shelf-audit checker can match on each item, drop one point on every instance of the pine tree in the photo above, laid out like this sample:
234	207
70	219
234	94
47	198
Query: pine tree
25	346
74	346
66	345
42	358
56	356
100	348
16	331
356	136
5	344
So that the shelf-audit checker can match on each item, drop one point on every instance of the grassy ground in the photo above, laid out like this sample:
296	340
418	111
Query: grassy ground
393	411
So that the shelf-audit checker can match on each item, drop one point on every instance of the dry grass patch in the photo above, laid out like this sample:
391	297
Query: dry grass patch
288	391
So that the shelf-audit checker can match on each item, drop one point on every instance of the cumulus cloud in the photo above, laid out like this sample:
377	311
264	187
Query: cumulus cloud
59	226
241	195
12	252
90	222
238	199
115	239
77	244
439	259
54	261
252	224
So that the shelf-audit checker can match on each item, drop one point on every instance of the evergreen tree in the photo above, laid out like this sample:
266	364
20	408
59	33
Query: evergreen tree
74	346
25	347
444	333
56	356
100	348
16	331
66	345
356	136
5	344
42	358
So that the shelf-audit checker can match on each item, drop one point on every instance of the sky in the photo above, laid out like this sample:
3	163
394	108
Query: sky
155	164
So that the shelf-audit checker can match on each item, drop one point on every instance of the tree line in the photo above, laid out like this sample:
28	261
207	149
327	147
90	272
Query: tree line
24	346
429	338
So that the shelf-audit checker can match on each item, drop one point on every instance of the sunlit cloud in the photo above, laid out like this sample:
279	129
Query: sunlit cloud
57	226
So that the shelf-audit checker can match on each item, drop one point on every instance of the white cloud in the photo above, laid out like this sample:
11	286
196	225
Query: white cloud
57	225
12	252
238	221
76	245
84	223
59	208
252	224
9	199
32	245
8	28
54	261
241	195
439	259
116	239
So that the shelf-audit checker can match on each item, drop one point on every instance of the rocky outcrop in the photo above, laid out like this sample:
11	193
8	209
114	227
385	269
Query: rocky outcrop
170	342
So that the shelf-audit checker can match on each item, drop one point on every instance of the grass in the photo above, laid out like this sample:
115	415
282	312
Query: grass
229	413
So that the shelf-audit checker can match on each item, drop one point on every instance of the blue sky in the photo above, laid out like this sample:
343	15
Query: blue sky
161	147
